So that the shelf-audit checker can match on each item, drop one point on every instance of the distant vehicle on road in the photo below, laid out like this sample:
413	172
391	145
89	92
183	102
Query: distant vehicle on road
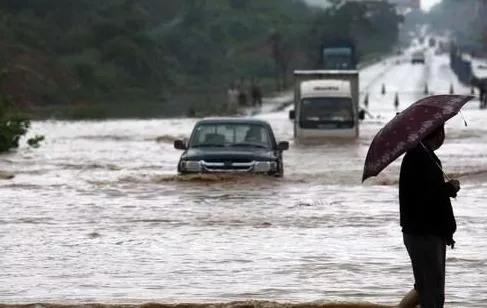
418	57
231	145
338	54
326	105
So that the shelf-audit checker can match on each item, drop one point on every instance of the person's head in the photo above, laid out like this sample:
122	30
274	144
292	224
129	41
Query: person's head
435	139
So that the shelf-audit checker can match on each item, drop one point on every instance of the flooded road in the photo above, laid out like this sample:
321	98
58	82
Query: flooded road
98	213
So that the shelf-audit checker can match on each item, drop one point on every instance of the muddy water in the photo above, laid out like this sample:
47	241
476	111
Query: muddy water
98	214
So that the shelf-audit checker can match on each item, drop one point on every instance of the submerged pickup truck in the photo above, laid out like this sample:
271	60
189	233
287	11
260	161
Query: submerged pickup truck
231	145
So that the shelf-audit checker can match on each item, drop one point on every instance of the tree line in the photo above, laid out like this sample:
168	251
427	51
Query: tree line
76	58
465	23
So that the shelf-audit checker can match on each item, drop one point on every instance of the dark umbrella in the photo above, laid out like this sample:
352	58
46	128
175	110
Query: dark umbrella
406	130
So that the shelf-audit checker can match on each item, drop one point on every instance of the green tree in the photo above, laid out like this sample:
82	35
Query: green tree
94	52
12	124
469	31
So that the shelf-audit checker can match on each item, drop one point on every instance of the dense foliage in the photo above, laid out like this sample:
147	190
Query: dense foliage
12	124
465	22
152	57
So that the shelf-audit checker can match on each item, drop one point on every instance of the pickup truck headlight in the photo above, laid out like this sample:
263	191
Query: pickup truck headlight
264	166
191	166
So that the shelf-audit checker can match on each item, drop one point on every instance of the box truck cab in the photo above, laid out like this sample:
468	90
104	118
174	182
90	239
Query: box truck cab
325	105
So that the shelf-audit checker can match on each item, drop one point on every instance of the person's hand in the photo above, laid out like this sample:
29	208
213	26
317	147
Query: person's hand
455	184
452	186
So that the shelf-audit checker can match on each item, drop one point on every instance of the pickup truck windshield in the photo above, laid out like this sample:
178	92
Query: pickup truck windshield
326	112
230	135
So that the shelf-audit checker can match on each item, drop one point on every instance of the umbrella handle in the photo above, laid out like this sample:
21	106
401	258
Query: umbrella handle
464	121
436	163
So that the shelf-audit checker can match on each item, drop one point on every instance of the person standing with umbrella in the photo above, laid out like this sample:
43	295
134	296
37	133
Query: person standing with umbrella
427	218
426	214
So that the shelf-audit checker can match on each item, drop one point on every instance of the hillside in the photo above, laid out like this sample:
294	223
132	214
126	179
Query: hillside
126	58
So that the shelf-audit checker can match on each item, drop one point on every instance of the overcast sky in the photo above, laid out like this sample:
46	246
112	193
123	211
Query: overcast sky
425	4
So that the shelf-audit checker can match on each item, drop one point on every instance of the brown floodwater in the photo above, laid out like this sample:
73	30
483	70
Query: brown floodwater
99	214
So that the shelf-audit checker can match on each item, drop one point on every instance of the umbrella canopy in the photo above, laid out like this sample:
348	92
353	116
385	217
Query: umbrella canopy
408	128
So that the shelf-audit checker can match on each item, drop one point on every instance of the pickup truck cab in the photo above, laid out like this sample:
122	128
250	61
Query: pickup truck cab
231	145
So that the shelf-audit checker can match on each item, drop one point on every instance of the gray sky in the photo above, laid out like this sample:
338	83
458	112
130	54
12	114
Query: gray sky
425	4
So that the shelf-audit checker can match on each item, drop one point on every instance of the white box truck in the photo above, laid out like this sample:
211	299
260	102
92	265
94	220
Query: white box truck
326	104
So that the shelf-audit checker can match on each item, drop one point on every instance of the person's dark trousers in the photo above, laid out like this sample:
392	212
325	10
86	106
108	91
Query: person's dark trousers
427	253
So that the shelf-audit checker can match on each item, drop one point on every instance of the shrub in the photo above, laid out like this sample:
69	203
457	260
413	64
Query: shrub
11	129
12	124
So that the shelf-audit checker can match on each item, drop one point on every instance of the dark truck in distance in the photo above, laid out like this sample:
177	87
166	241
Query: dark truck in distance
231	145
418	57
338	54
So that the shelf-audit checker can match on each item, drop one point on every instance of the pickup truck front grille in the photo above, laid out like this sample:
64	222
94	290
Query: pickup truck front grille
233	160
227	166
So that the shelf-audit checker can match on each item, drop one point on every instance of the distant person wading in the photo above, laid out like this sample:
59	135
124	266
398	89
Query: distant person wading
256	94
232	97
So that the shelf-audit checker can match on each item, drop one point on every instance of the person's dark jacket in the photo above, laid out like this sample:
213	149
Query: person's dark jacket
424	197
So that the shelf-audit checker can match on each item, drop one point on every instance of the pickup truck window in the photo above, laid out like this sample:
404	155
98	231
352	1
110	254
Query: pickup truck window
225	135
